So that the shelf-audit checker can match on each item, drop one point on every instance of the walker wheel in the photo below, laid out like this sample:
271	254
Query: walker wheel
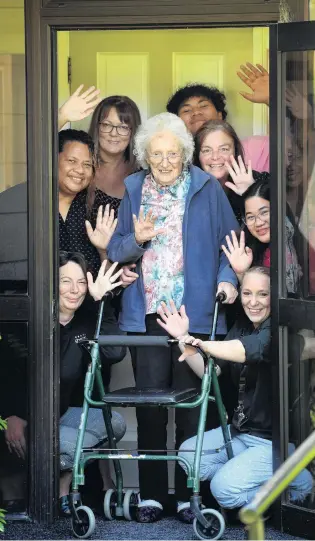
110	501
130	504
216	525
85	526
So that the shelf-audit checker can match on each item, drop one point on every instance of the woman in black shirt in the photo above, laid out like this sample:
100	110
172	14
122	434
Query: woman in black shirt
86	214
246	354
76	321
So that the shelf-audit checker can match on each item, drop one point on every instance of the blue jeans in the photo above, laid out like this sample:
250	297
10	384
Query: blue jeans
234	483
95	432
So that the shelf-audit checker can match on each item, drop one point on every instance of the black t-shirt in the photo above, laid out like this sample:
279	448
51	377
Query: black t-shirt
257	372
73	359
72	231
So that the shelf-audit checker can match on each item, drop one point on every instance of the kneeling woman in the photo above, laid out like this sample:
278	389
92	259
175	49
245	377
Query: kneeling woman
246	353
75	323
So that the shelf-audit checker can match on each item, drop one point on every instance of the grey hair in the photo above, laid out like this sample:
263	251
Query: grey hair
159	123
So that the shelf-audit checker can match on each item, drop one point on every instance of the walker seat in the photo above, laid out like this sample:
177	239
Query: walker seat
132	396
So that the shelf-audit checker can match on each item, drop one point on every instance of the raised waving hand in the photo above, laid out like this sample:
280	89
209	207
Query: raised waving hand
104	229
239	255
242	177
257	79
144	227
106	281
174	322
79	105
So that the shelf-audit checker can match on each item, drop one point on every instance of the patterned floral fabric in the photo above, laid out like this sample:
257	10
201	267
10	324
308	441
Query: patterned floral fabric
163	262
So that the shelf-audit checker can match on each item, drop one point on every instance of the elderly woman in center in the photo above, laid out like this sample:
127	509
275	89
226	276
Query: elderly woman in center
171	223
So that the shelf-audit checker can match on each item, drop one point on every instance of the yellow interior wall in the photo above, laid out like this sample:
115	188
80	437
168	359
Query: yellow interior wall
63	47
11	27
12	105
235	43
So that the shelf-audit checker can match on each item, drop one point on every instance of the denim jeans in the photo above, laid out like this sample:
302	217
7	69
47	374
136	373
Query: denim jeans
234	483
95	432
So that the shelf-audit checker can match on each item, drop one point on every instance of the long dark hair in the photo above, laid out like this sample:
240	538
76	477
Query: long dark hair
213	126
127	112
261	189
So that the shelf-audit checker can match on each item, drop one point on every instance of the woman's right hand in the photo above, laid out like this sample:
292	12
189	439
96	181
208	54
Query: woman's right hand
106	281
190	343
174	322
144	227
78	106
239	255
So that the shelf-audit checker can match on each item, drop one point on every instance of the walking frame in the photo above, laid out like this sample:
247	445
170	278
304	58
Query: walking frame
208	523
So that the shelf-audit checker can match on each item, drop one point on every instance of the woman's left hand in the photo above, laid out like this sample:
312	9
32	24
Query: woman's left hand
105	281
173	322
242	179
104	229
229	290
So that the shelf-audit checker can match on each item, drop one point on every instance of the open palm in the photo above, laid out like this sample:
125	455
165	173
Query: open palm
239	255
145	227
80	105
242	178
106	281
257	79
173	322
104	228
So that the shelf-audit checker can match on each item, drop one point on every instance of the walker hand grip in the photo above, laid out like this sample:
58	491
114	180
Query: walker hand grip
138	341
221	297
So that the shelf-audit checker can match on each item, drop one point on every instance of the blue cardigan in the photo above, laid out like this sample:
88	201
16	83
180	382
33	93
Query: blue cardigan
207	219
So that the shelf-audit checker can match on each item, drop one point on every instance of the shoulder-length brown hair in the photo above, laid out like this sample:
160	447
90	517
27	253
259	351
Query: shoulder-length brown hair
127	112
213	126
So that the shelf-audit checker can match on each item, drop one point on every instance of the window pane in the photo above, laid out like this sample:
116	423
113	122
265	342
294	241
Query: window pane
299	148
13	189
13	257
13	407
301	379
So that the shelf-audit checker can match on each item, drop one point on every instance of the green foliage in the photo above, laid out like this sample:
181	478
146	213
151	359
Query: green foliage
3	426
2	520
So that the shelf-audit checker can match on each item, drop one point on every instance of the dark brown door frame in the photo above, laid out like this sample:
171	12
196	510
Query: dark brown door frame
42	19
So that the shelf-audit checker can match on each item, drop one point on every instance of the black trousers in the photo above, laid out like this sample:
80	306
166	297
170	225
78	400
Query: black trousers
159	368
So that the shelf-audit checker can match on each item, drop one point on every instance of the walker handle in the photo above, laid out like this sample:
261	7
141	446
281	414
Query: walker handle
136	340
221	297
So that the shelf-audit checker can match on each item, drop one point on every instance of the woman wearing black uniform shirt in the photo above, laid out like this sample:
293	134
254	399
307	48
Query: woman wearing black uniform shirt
246	354
75	323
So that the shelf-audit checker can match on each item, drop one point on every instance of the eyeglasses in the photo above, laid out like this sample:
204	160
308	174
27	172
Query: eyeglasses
209	152
172	157
121	129
263	216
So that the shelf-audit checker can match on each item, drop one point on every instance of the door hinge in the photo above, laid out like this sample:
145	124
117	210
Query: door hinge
69	70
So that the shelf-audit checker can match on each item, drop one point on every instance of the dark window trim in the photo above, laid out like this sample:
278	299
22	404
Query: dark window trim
286	312
42	197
